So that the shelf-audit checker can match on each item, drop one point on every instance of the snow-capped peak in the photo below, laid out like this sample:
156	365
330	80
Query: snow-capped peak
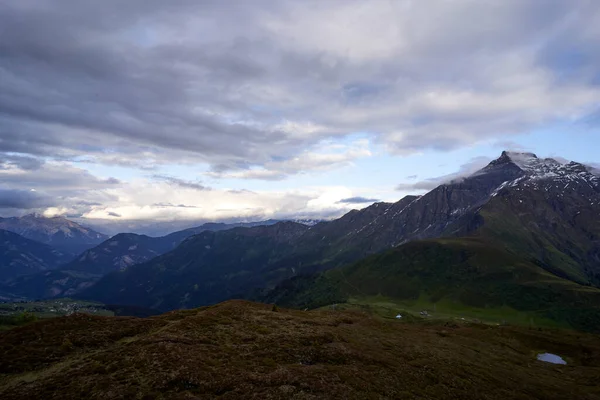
536	169
529	162
34	215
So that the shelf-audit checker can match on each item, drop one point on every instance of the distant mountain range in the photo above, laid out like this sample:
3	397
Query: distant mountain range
164	228
67	277
67	236
543	213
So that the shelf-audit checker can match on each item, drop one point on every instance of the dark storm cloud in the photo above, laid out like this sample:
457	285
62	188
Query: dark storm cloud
80	67
35	186
357	200
21	162
22	199
214	82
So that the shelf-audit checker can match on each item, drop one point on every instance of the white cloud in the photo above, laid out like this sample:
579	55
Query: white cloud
142	200
323	157
267	90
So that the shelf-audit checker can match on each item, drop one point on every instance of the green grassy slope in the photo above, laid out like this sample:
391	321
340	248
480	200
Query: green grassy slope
459	274
563	235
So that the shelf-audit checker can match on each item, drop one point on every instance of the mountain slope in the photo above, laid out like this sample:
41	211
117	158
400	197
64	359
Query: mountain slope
126	249
187	276
21	256
552	214
546	229
115	254
458	271
67	236
242	350
120	252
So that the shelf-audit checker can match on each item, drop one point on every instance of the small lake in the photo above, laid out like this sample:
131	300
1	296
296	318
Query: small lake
551	358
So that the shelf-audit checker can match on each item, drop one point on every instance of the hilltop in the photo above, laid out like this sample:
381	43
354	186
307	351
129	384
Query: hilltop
246	350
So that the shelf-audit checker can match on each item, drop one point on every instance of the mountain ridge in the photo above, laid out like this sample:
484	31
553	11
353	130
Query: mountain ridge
474	205
115	254
21	256
59	232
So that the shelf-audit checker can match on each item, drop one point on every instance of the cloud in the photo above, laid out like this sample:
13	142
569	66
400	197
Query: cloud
18	161
182	203
268	90
22	199
467	169
149	83
357	200
180	182
168	205
58	185
114	214
323	157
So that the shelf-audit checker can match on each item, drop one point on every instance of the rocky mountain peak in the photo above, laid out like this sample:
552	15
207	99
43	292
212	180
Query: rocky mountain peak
528	166
34	216
65	235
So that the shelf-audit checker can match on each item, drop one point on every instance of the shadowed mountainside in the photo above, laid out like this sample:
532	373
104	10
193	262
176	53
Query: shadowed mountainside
115	254
21	256
459	272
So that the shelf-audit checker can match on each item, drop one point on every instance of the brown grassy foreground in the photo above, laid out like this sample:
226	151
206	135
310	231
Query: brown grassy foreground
245	350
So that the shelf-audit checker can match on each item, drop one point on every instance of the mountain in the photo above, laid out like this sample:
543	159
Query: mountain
543	211
206	268
127	249
61	233
456	276
164	228
550	213
21	256
307	221
115	254
120	252
243	350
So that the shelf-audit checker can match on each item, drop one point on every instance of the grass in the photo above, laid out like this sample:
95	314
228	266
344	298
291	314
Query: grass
446	310
521	235
22	313
240	349
461	276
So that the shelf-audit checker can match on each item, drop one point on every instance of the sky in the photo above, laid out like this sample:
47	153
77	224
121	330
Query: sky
148	110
